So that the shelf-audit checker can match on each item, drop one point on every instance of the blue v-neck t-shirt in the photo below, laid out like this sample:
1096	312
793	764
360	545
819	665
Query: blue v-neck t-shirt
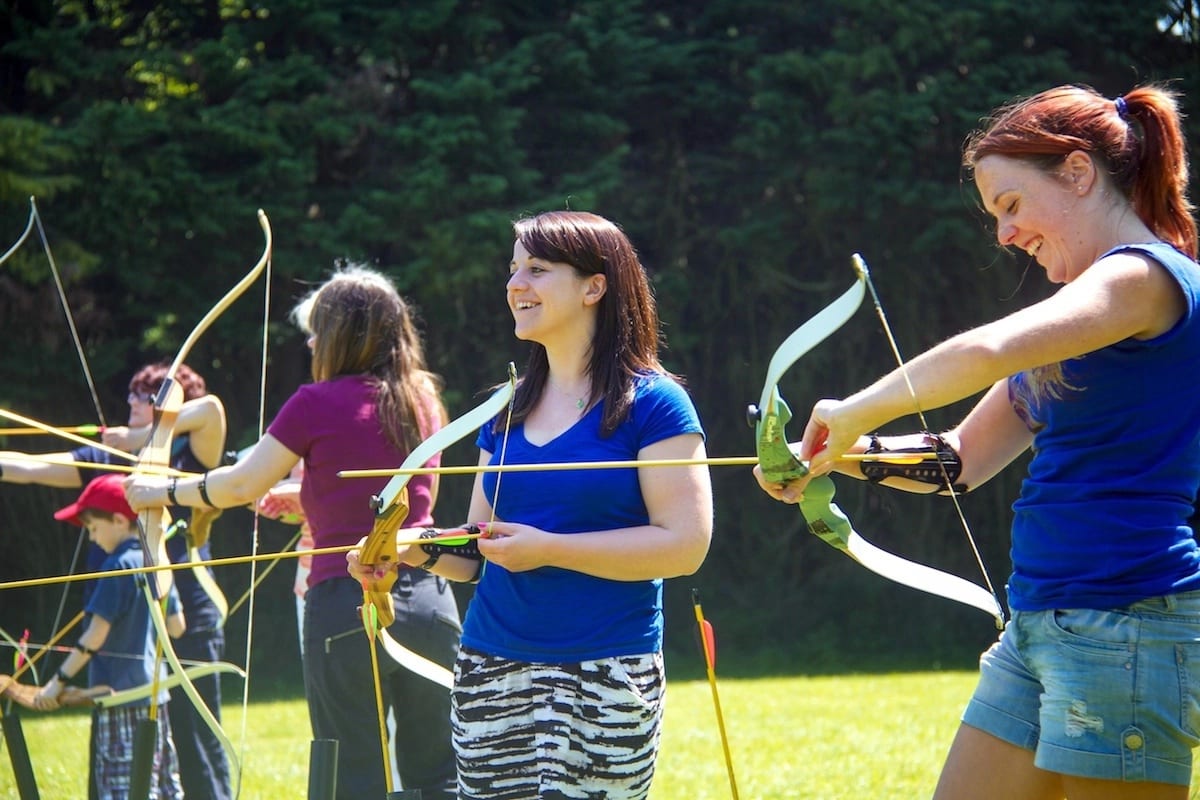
555	615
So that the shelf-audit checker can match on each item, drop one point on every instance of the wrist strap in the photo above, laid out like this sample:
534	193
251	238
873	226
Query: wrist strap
434	555
62	676
204	491
87	651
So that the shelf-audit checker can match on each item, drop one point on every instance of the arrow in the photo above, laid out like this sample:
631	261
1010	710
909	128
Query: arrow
552	466
82	430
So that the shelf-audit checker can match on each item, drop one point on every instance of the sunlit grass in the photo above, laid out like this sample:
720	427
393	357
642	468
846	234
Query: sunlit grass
854	736
868	736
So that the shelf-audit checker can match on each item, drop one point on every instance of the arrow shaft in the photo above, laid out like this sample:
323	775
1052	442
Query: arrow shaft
708	646
224	562
70	462
82	430
553	466
53	431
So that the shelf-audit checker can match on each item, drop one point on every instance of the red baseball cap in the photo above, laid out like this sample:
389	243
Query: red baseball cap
106	493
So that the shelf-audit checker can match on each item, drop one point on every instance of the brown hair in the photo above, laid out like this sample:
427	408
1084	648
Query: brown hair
627	337
1137	139
362	326
149	379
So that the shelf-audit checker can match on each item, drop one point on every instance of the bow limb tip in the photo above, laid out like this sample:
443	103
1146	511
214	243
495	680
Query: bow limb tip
860	267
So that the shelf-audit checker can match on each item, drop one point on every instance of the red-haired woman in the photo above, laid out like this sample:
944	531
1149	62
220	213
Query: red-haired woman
1092	690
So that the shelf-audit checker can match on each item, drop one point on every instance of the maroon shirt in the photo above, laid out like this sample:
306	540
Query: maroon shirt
333	425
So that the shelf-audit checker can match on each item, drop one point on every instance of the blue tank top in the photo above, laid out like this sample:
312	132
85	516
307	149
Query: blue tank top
1102	518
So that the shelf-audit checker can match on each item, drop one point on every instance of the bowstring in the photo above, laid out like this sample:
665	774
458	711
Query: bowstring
512	398
62	296
254	528
35	220
861	267
262	576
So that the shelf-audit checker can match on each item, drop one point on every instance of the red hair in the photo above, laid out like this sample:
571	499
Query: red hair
149	379
1137	140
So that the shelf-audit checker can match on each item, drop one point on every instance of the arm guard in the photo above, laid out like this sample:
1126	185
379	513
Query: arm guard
942	470
467	549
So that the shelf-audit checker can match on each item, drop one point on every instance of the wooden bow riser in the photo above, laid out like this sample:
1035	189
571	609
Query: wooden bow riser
380	548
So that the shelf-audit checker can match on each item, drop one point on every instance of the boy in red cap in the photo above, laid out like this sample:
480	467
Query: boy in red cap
198	445
120	624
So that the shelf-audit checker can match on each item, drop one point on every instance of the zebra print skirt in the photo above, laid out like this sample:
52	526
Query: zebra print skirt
581	731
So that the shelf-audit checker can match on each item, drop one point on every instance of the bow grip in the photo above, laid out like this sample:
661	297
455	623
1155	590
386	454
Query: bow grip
380	548
825	520
378	594
778	462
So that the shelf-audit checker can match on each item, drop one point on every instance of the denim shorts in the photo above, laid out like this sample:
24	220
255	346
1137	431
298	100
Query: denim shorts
1109	694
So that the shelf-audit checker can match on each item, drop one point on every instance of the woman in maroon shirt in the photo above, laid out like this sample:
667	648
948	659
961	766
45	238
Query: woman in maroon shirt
371	402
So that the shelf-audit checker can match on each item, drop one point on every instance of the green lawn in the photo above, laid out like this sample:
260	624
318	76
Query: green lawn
876	736
851	737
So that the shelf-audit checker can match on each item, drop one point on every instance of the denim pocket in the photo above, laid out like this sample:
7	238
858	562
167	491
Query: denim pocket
1095	632
1187	656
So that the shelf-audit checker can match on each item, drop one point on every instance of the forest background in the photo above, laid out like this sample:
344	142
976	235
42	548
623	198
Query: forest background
748	147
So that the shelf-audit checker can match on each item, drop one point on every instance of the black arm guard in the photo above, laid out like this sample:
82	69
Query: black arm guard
469	549
941	471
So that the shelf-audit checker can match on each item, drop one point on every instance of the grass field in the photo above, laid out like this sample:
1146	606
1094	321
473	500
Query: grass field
825	738
845	737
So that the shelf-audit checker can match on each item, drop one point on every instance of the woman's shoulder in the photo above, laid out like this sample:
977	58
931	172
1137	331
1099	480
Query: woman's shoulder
338	386
1159	291
662	396
1182	266
658	383
324	397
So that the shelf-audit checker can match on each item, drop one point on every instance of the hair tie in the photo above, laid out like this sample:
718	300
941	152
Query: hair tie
1122	108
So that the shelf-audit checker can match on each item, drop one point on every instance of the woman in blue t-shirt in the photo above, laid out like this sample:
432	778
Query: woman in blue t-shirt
559	681
1090	691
